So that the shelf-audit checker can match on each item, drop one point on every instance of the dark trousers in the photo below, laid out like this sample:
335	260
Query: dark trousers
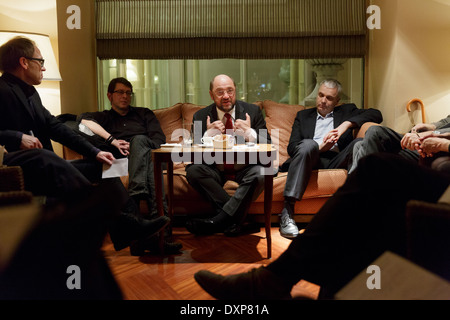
209	181
365	218
140	167
45	173
308	158
381	139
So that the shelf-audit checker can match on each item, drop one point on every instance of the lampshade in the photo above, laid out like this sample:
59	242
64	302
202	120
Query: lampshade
43	43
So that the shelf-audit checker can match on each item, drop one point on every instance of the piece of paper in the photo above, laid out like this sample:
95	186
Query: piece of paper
119	168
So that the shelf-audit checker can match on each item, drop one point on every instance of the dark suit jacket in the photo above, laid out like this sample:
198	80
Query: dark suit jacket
305	124
257	120
17	118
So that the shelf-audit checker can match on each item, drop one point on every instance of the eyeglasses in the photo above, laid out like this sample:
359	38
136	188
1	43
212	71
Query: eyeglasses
41	61
221	93
121	92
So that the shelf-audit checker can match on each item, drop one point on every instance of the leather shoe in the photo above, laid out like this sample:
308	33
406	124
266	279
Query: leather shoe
236	230
139	248
288	227
204	226
257	284
127	229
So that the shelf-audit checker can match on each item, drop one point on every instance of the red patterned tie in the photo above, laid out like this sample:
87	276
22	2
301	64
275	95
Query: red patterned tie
228	124
229	168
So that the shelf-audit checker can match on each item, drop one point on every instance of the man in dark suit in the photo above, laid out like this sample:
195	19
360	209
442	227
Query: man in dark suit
244	121
321	138
26	131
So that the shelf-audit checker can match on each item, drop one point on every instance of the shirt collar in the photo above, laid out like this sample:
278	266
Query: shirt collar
221	114
330	115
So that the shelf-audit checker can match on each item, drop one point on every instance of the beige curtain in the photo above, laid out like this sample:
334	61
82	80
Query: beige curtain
243	29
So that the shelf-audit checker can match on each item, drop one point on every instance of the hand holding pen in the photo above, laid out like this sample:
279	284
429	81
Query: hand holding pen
30	142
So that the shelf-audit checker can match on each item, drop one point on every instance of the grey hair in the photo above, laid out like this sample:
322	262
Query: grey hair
332	83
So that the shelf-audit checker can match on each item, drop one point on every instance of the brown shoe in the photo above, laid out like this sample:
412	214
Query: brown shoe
257	284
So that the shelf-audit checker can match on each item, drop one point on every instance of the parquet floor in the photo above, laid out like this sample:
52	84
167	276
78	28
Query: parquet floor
170	277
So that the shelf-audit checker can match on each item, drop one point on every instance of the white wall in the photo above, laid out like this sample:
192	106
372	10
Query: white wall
410	58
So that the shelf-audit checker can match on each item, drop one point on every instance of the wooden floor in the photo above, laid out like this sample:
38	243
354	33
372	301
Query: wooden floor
170	277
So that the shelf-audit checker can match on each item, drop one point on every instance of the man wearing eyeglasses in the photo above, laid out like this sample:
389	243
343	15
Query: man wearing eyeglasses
132	132
26	131
226	115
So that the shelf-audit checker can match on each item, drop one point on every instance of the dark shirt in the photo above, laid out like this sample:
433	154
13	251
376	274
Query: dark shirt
22	112
138	121
26	88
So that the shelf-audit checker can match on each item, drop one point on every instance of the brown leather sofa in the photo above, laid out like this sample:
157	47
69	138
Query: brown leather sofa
322	185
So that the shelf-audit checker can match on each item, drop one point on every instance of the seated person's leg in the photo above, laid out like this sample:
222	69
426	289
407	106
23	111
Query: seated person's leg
365	218
441	164
251	185
380	139
142	187
45	173
306	157
208	181
139	163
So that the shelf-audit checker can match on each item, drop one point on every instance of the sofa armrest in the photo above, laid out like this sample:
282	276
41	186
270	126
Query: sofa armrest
361	132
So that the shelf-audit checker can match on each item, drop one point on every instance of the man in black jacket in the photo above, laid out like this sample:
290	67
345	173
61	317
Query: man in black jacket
132	132
321	138
26	131
245	121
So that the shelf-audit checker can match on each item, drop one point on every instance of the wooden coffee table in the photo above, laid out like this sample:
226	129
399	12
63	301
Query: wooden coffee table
262	154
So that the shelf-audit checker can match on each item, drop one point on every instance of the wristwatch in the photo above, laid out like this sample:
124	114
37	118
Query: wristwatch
436	132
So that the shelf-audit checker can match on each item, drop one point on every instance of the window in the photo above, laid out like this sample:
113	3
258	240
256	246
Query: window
162	83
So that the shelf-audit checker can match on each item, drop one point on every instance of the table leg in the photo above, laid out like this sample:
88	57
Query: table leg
159	195
268	193
170	188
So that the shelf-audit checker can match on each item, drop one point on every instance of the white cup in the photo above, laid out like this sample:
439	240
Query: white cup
223	141
207	141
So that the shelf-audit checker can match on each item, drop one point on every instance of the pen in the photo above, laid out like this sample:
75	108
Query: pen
31	133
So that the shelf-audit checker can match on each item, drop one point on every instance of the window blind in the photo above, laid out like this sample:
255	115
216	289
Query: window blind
242	29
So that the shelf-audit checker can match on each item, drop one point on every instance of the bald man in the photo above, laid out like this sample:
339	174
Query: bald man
246	123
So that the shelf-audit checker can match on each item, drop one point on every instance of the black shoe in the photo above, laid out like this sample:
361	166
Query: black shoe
236	230
257	284
139	248
204	226
128	228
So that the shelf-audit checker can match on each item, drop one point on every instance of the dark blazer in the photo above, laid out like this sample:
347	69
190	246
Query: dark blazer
17	118
305	124
257	120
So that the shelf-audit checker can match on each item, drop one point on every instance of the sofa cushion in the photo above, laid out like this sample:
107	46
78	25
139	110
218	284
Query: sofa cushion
280	116
170	120
187	113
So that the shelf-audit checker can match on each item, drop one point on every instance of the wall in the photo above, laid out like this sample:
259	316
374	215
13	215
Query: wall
77	58
408	58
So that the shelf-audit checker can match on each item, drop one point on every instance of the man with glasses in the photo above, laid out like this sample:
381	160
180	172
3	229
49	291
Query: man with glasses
132	132
26	131
245	121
